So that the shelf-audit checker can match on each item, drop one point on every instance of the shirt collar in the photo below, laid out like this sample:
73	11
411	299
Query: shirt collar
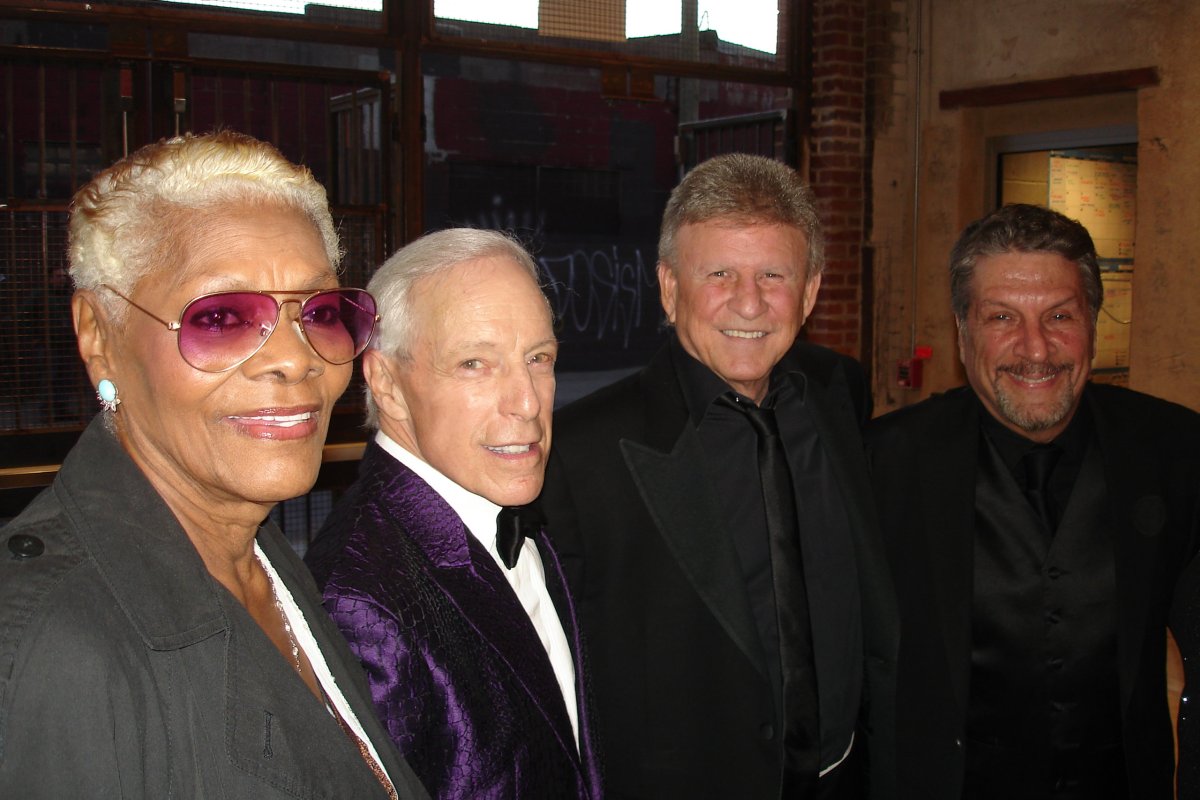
701	386
1012	446
477	513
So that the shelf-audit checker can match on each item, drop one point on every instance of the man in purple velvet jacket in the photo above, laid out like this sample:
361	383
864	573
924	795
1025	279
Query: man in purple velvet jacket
465	628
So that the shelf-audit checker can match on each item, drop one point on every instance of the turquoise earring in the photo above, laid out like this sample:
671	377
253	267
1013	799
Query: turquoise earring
106	393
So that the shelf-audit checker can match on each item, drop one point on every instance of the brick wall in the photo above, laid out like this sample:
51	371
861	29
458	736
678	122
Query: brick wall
838	168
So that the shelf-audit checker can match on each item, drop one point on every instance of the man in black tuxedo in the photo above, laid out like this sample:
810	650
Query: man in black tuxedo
689	498
1035	524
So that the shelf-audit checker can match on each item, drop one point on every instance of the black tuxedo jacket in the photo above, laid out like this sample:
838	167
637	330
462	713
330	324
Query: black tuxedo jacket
923	461
683	701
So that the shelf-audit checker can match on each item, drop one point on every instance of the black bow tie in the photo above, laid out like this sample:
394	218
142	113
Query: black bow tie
513	524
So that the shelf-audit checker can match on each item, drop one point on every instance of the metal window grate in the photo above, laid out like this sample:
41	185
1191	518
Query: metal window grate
763	133
42	381
302	517
57	132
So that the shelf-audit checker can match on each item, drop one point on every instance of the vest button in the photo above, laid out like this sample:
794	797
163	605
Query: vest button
1052	617
22	545
767	731
1055	573
1054	664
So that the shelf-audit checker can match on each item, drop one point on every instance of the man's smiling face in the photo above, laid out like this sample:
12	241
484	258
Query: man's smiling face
1027	341
475	398
738	295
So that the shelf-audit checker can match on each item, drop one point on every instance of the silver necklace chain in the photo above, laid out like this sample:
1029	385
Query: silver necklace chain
287	628
287	625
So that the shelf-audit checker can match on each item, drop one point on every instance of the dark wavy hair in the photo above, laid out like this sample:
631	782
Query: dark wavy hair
1023	228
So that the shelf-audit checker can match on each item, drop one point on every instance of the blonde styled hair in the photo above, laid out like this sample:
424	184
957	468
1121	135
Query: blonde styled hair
131	218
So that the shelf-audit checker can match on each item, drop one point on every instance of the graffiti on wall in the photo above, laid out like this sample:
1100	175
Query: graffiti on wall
606	303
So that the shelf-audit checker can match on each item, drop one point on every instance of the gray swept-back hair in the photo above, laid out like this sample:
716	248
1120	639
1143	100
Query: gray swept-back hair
745	189
432	254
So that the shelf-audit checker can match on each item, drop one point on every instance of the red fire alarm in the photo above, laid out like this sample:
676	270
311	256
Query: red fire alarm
908	373
908	370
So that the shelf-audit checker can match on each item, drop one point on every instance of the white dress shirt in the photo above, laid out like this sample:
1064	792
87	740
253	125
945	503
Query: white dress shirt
527	578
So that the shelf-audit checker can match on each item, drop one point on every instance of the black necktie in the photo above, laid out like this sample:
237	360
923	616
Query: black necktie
1039	463
513	524
801	729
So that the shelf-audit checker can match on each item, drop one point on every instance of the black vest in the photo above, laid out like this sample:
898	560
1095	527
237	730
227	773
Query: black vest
1044	716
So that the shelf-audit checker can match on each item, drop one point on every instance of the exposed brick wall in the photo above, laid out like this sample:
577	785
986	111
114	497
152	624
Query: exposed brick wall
838	168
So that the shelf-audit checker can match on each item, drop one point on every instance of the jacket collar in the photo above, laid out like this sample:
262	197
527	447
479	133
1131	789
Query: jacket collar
142	551
425	516
1137	512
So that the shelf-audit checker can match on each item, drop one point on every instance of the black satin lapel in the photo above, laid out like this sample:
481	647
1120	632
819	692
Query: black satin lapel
684	513
835	418
947	503
1137	512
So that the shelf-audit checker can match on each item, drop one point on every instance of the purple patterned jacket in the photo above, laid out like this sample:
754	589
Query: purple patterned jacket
456	669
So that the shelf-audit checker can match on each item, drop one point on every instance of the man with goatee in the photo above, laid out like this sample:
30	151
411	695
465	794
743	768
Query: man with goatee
1035	524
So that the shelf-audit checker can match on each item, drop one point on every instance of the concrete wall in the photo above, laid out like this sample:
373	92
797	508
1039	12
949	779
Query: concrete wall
933	169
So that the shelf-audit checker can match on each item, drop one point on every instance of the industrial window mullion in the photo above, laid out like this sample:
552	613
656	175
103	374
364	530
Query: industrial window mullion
73	123
41	118
10	152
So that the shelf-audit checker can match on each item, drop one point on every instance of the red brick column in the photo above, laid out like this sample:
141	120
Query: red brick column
838	167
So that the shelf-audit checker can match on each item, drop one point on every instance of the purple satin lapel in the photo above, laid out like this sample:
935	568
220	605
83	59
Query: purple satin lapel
472	581
428	519
491	607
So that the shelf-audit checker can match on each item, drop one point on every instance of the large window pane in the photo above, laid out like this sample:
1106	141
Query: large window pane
353	13
582	179
734	32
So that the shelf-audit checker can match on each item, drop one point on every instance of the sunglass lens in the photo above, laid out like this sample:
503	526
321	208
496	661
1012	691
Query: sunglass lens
221	330
339	323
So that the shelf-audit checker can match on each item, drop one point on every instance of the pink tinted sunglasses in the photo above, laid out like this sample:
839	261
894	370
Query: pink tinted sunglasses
219	331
